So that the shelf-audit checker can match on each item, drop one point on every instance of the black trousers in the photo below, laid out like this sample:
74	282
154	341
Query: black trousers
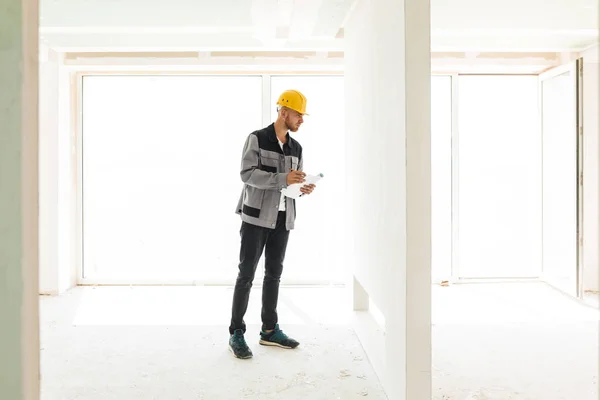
254	240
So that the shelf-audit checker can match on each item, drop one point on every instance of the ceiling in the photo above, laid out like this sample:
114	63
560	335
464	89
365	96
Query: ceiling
306	25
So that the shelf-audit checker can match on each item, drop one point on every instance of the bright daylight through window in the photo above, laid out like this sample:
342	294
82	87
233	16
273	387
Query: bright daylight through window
499	177
161	158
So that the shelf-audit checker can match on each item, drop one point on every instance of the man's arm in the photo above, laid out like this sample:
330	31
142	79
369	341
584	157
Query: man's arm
253	176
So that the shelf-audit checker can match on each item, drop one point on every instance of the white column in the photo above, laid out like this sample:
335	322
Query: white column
57	268
19	335
48	166
388	76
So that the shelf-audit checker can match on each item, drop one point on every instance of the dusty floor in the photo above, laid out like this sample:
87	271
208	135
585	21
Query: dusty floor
513	342
490	342
170	343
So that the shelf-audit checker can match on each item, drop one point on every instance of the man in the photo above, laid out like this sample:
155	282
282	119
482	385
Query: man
271	160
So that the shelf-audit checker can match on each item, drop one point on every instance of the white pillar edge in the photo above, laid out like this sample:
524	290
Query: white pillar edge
418	198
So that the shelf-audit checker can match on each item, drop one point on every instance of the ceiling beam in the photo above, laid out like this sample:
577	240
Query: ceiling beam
272	36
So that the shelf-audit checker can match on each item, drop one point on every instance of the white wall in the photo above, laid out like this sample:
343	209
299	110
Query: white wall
388	163
67	189
591	170
56	176
48	170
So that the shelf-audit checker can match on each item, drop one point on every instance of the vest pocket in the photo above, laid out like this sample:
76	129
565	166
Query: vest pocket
294	162
268	168
253	200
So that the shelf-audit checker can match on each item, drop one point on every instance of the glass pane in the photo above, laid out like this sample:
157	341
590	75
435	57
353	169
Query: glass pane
161	158
499	179
316	244
441	177
560	181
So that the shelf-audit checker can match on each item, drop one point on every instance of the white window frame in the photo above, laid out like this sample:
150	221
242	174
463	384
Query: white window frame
576	68
455	275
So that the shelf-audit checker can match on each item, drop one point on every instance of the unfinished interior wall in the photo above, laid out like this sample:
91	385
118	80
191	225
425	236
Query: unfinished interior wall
48	164
68	237
387	83
56	165
591	170
19	332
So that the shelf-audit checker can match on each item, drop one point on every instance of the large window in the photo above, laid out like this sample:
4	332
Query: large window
499	177
161	158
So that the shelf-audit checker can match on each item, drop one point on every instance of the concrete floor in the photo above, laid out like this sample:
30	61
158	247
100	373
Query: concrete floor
490	341
513	341
170	343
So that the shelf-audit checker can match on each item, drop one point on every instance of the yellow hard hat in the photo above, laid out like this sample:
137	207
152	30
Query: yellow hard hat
294	100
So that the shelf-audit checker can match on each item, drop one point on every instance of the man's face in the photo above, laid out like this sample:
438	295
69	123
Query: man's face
293	119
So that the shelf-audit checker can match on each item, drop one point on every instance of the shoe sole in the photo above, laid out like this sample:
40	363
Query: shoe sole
236	356
267	343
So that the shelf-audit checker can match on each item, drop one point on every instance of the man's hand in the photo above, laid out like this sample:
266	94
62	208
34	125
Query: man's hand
307	189
295	177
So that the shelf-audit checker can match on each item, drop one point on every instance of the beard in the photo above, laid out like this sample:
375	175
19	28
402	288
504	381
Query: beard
290	127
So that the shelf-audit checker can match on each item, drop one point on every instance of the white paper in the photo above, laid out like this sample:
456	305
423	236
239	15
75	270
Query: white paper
293	191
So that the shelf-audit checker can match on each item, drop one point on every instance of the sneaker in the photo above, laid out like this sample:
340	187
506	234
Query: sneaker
238	346
277	338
